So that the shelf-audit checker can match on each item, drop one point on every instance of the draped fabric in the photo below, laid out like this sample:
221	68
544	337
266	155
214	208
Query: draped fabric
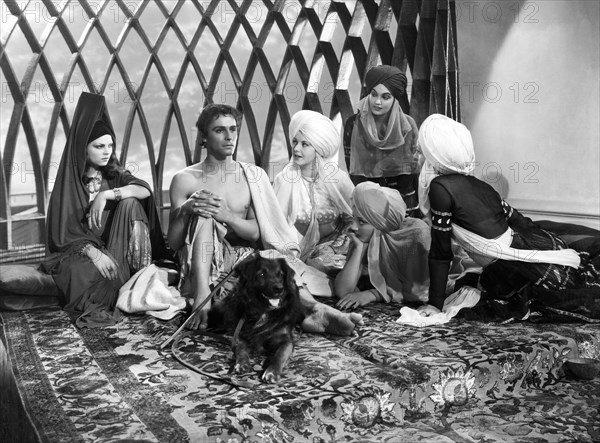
395	151
392	154
296	194
398	249
67	228
500	249
66	225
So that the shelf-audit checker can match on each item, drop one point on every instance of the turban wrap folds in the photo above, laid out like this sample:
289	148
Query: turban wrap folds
389	76
447	145
380	206
318	130
448	149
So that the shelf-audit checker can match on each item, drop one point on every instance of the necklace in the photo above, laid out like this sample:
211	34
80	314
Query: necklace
93	183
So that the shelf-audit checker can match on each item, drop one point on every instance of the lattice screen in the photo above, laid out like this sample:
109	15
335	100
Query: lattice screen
159	61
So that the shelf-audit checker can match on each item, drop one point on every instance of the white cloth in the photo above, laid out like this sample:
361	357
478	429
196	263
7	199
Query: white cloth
484	250
465	297
147	292
274	230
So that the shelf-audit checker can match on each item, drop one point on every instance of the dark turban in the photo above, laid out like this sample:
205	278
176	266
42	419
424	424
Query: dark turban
100	128
388	76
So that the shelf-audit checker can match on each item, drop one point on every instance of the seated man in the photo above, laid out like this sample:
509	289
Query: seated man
221	210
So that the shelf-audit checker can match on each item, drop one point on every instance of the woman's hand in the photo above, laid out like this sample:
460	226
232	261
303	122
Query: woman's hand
354	240
428	310
94	215
203	203
105	265
356	299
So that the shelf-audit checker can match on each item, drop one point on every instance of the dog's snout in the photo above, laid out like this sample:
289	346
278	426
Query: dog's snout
278	287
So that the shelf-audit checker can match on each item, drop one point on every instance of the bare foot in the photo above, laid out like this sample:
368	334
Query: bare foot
324	318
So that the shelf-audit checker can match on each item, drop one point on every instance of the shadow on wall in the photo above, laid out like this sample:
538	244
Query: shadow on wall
529	95
498	19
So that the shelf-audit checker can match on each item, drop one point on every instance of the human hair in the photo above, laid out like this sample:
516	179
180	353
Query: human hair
212	112
113	167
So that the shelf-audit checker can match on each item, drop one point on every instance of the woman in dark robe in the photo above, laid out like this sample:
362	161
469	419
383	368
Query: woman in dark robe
558	268
102	224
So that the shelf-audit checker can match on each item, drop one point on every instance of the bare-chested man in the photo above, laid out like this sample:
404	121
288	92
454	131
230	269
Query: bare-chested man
214	189
213	223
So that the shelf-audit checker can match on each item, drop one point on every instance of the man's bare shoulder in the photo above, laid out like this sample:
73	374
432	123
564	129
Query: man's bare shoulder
190	173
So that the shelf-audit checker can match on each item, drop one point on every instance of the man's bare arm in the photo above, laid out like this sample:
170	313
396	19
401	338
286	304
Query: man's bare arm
246	228
180	211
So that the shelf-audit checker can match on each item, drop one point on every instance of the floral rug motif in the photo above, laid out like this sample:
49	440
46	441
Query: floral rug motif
460	382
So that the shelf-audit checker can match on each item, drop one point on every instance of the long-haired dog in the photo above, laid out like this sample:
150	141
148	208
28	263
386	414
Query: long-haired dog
262	312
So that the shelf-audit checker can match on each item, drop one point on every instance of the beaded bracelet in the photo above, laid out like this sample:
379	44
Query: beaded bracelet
84	249
117	193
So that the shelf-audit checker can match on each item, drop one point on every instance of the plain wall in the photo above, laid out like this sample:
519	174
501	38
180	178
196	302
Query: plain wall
529	77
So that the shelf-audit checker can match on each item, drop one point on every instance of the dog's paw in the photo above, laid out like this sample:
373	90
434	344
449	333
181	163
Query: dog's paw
242	367
271	375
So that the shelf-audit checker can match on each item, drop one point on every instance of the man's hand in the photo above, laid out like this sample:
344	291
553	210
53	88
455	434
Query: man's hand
203	203
224	214
94	216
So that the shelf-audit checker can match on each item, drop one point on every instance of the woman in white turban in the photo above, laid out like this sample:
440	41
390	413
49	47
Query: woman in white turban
390	246
314	193
513	250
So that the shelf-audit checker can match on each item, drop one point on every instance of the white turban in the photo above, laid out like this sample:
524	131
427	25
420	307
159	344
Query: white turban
318	130
448	149
447	145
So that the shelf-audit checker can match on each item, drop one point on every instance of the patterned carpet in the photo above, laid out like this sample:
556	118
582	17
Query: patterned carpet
461	382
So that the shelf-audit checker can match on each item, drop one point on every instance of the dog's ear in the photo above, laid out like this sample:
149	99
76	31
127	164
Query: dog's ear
289	276
246	269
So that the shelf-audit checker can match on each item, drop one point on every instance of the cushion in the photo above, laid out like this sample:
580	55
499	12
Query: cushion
10	301
27	280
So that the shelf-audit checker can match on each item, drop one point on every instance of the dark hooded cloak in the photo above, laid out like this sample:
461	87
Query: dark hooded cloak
66	223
